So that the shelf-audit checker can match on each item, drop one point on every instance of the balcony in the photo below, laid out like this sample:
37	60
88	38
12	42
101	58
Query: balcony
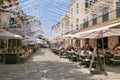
104	19
108	18
15	26
10	27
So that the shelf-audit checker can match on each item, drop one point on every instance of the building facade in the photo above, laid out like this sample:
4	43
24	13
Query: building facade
60	29
13	18
77	14
94	14
55	32
35	26
65	23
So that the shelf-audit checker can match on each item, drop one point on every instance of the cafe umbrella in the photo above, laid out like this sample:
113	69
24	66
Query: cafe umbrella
106	31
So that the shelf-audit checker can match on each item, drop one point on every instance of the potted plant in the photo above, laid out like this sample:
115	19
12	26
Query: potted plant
117	48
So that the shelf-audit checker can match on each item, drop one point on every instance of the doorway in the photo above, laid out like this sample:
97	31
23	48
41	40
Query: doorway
105	41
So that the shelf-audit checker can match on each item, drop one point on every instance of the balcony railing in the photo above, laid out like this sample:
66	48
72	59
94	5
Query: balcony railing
11	27
15	26
111	16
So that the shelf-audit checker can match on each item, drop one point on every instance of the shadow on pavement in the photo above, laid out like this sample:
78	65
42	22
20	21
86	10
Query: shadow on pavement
114	69
45	70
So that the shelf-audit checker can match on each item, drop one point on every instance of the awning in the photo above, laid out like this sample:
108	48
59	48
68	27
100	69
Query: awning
9	35
108	30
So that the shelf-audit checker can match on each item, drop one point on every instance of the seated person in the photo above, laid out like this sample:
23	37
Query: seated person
0	51
21	51
71	49
101	51
4	50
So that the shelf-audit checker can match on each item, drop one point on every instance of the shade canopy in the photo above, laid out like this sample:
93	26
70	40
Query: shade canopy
33	39
101	33
106	31
9	35
68	36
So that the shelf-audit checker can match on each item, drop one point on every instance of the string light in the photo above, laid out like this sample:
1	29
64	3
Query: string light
56	13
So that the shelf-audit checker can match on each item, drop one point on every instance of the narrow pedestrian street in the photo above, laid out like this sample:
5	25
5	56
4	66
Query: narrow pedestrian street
43	65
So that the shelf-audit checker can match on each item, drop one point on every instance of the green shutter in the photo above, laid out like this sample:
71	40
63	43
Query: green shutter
118	12
94	21
117	9
105	17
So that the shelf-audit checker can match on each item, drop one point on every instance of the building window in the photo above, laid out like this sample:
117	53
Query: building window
94	21
105	17
118	9
71	12
77	11
105	41
77	21
90	2
77	8
94	18
105	14
118	13
77	26
105	10
94	15
86	4
12	21
77	5
62	25
85	24
71	26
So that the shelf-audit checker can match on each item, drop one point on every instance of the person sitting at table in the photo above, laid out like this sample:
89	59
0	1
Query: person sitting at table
4	50
14	50
0	51
21	51
101	51
70	48
85	53
91	48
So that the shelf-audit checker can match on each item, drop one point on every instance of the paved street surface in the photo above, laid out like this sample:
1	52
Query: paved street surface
43	65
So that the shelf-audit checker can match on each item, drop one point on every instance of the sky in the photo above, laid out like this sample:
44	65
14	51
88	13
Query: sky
47	11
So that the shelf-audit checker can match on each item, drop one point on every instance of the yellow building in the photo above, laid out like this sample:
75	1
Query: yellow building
60	29
65	23
94	14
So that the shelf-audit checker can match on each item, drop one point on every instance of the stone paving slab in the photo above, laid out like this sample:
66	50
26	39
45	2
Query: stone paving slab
43	65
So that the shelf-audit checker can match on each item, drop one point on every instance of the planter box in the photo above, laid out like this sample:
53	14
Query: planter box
10	58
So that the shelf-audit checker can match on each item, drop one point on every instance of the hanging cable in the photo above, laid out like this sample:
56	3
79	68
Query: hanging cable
55	6
61	4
